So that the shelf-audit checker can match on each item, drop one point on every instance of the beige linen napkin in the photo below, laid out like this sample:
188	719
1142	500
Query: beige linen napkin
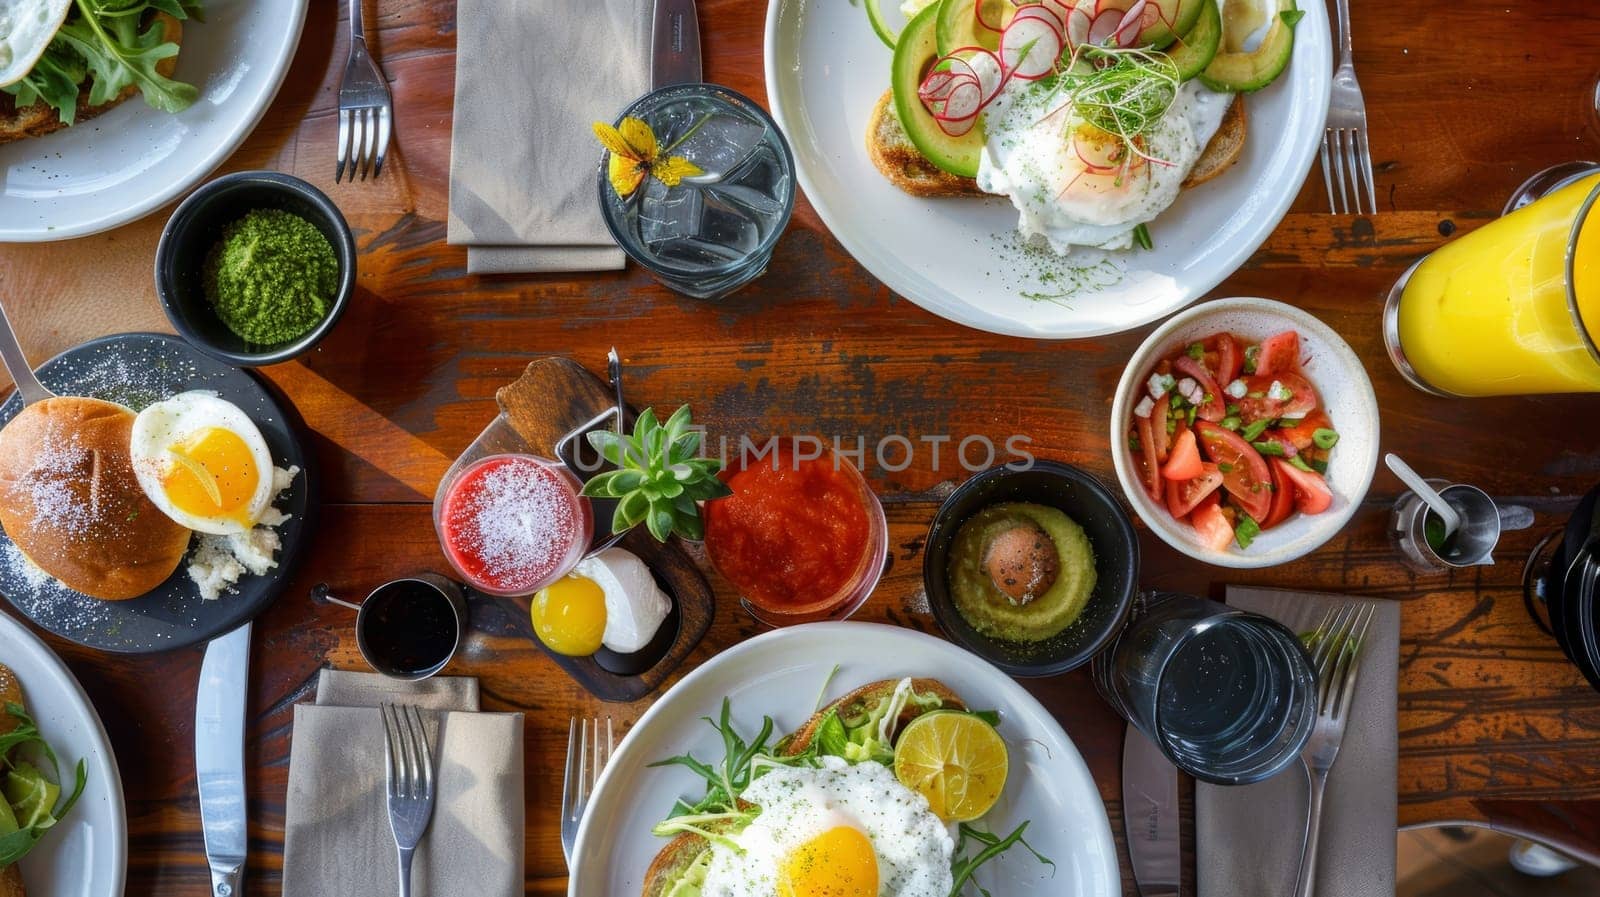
1247	838
337	841
531	78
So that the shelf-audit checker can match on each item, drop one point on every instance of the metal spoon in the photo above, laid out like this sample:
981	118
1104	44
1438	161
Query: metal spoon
1447	514
16	362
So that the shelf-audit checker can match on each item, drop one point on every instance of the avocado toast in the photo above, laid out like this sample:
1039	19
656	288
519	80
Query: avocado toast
856	769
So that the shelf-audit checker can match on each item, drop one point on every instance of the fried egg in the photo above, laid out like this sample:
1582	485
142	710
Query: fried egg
840	830
203	462
1076	185
26	28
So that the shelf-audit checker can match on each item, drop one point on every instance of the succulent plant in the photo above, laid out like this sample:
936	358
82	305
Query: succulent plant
659	478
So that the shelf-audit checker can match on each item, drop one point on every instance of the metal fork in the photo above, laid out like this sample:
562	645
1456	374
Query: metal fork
365	107
585	761
1336	655
408	768
1344	136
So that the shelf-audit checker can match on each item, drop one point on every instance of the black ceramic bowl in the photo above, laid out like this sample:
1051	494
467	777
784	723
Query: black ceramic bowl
195	227
1116	555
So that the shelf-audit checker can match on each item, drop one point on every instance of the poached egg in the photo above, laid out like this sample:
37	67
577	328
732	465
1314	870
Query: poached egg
203	462
839	830
1067	177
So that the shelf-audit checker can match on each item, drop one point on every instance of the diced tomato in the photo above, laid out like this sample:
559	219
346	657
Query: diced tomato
1258	405
1280	354
1211	525
1182	496
1244	472
1225	356
1214	409
1311	492
1158	426
1149	468
1184	462
1282	499
1300	435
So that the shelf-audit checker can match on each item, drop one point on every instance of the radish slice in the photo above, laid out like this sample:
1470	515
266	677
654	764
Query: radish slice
1043	14
1030	46
1132	24
1105	25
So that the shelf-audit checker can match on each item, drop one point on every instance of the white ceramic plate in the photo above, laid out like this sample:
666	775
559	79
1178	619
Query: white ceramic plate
956	257
1341	382
780	675
120	166
86	854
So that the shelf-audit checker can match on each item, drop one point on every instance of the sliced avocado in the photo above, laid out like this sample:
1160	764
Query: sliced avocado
958	24
1250	71
880	22
916	52
1197	48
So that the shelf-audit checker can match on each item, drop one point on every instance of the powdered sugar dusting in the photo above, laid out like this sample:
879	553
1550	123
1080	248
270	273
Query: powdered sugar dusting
515	518
58	465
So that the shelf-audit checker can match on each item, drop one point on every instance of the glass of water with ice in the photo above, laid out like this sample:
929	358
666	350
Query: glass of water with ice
1229	696
713	232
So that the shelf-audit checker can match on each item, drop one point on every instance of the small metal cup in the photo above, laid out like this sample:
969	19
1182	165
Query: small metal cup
1472	545
366	614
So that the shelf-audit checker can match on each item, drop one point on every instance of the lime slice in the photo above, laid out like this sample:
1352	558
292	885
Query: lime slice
955	760
208	482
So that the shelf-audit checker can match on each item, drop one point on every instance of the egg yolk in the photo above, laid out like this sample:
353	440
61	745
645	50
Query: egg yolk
569	615
222	457
839	862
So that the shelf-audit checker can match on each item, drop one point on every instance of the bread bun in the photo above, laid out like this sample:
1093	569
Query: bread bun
70	501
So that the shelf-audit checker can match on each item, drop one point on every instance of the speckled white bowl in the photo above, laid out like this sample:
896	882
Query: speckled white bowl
1346	393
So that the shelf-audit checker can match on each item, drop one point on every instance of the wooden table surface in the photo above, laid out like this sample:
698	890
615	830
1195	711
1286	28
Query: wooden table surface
1466	99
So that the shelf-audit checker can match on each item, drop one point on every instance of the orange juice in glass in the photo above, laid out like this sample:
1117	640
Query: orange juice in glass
1511	308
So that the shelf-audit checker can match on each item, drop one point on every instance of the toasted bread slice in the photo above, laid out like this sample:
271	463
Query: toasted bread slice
675	859
898	159
1225	147
39	119
865	698
892	151
670	865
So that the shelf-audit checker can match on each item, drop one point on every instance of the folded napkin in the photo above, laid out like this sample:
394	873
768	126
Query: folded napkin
531	78
1247	837
337	841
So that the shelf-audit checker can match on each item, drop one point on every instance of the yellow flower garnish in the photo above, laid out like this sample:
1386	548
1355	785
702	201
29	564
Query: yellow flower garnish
635	154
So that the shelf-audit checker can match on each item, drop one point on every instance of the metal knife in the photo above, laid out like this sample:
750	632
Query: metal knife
675	48
1150	816
219	756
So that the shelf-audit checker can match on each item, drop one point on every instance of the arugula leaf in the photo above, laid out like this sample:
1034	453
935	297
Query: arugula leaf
963	866
118	54
54	80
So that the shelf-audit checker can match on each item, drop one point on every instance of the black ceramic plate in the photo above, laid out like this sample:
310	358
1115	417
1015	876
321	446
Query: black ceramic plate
136	369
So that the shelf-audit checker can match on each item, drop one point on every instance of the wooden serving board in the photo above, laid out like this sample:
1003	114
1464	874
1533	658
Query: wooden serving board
553	397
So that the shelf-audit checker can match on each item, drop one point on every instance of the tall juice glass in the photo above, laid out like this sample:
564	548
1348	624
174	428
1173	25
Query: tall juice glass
1509	309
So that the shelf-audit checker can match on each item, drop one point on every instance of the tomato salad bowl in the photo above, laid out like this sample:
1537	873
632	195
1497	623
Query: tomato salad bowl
1311	380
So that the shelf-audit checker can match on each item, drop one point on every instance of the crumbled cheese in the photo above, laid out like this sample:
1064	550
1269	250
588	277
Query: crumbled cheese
220	561
1144	407
1161	384
1237	389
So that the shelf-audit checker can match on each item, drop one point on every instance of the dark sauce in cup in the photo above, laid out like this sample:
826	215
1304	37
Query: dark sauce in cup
409	629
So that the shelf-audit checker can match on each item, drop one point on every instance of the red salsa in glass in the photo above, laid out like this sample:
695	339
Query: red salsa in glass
511	524
796	536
